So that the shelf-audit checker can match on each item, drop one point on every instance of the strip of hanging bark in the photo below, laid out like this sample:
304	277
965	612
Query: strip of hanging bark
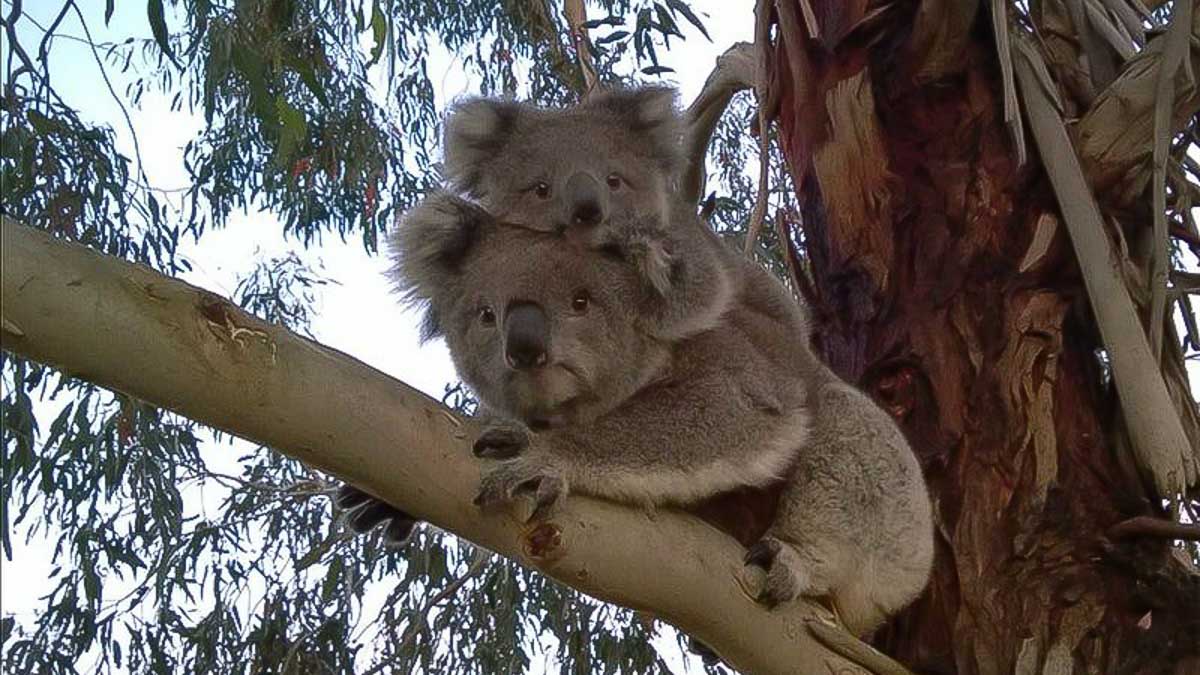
196	353
762	88
1147	526
1155	428
1012	113
1174	49
1115	136
576	16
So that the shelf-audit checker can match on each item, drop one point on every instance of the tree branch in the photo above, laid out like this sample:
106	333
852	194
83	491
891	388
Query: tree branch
128	328
735	70
1146	526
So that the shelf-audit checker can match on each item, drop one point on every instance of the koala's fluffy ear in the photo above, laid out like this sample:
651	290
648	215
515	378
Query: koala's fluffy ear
650	113
428	248
476	130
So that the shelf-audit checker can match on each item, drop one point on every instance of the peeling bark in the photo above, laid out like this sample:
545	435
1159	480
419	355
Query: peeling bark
945	285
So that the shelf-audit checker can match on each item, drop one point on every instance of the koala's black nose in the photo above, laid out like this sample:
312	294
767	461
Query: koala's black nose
526	336
587	204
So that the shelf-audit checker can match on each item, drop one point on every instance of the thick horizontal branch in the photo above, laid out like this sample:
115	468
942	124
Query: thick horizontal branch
130	329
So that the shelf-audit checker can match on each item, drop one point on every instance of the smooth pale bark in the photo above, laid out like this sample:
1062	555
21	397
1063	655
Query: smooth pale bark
130	329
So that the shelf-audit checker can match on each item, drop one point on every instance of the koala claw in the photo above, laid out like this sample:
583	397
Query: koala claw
363	512
502	484
767	578
550	491
706	654
501	441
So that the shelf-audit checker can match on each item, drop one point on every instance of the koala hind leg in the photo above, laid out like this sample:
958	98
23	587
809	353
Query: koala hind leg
778	571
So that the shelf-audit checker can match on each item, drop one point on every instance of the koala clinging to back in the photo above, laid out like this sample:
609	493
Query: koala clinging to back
600	172
615	153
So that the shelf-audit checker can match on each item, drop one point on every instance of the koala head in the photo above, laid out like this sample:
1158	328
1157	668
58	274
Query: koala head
543	329
617	152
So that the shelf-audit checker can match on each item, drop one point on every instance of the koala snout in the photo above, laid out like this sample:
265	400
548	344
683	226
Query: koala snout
526	336
586	201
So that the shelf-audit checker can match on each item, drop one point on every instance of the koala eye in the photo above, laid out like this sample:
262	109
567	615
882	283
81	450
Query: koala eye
486	316
580	302
614	181
542	190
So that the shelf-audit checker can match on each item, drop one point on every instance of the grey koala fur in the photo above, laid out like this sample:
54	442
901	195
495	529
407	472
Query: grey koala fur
717	386
613	157
621	412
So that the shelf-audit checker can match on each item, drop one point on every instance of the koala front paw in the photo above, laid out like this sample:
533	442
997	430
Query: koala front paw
362	513
502	484
501	439
767	577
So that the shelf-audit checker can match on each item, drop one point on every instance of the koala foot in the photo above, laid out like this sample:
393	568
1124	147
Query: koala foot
362	513
770	574
513	477
706	654
501	439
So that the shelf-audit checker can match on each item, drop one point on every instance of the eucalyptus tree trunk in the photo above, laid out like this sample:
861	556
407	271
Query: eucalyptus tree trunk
944	282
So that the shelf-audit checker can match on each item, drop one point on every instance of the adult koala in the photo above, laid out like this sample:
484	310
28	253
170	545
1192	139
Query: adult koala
563	339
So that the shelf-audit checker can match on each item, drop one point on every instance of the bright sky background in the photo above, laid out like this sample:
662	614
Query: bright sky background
358	315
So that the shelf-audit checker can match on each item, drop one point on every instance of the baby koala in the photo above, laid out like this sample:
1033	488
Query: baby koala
563	340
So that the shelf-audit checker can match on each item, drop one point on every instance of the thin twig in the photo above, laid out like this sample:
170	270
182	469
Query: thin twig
14	46
421	616
137	150
44	46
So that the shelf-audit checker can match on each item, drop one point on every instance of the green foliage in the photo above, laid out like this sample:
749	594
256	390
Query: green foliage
173	548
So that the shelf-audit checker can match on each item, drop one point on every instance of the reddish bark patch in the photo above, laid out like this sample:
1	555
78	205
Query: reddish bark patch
543	543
